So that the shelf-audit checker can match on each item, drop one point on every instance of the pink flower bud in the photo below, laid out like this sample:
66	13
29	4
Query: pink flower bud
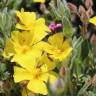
62	71
72	7
90	12
53	26
93	39
58	25
57	85
81	10
88	3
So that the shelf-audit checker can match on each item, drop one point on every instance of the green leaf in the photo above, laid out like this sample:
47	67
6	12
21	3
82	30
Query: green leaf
67	27
63	9
54	11
77	42
84	49
50	93
2	67
83	89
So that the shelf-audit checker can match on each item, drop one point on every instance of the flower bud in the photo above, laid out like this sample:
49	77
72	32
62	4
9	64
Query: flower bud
62	71
53	26
88	3
93	39
83	14
72	7
43	8
90	12
81	10
57	86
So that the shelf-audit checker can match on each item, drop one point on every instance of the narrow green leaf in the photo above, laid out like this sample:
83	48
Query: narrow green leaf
84	49
67	27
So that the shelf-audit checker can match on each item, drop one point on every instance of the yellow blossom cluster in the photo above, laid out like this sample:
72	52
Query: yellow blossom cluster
35	56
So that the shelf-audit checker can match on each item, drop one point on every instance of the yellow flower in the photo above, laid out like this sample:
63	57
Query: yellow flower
29	22
36	76
24	48
93	20
41	1
57	47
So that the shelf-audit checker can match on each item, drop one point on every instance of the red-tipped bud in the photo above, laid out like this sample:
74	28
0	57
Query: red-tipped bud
88	3
93	39
72	7
89	12
43	8
83	14
81	10
62	71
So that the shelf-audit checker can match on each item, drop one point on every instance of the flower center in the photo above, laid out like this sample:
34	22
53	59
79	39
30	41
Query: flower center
25	49
58	50
37	73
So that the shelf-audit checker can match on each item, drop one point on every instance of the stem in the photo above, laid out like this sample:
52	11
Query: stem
26	91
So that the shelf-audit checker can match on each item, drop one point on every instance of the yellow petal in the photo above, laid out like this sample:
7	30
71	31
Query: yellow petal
93	20
41	22
26	18
27	60
47	63
63	55
37	86
21	74
56	40
19	15
42	1
15	36
47	47
65	45
22	39
51	76
9	49
39	35
23	27
67	53
25	38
